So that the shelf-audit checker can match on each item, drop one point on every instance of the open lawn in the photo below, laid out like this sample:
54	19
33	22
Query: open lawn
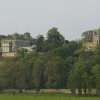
45	97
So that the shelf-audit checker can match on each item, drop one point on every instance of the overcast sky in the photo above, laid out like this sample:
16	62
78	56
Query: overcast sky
71	17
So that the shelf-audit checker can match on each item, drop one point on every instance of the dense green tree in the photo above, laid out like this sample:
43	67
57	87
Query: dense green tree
81	77
56	63
26	61
96	73
54	38
55	71
40	43
27	36
39	73
4	80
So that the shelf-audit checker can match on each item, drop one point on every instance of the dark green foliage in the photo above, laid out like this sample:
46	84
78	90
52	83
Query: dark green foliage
56	63
54	39
55	72
40	44
39	72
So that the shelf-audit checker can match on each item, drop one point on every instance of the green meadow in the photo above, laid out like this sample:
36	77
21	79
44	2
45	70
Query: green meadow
46	97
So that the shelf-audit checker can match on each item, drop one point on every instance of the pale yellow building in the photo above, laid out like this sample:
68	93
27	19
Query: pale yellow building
9	47
93	41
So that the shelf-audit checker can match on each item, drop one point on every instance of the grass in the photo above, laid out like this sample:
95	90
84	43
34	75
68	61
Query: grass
45	97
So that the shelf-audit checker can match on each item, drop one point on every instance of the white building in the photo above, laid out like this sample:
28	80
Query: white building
9	47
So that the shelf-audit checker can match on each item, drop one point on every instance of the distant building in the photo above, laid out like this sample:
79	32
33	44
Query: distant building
9	47
93	40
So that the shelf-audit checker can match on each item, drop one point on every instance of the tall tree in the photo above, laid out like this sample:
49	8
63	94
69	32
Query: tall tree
27	36
55	71
54	38
40	43
96	72
39	73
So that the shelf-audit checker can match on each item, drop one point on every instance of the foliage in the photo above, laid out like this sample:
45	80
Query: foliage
56	63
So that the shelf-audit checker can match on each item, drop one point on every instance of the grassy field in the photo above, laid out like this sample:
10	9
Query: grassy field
45	97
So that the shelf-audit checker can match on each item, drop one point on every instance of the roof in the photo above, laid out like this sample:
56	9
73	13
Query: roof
18	43
23	42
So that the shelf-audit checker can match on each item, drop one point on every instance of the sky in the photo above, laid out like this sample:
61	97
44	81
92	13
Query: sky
71	17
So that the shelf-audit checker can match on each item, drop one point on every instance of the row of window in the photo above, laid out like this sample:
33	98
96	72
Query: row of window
8	49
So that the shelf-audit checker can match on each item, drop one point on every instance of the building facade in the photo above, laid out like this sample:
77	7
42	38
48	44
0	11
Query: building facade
93	40
9	47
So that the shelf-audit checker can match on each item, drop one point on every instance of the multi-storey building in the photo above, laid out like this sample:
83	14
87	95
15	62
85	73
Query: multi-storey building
9	47
93	40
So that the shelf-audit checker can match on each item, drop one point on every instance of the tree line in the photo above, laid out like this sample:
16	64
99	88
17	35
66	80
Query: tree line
56	63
